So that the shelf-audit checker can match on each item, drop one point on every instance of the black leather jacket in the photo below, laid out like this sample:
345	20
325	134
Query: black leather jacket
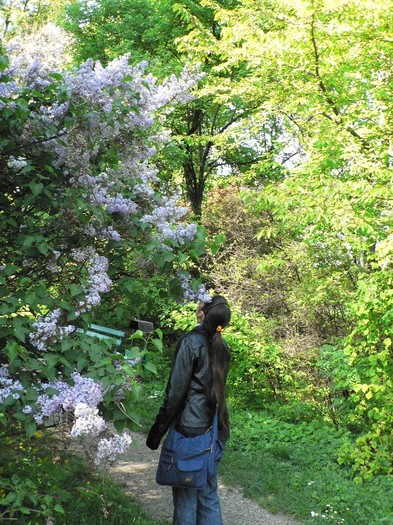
187	393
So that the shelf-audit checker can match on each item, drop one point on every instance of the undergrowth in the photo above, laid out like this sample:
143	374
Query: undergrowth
42	484
292	468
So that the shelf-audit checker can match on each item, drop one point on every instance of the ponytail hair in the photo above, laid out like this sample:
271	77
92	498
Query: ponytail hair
217	316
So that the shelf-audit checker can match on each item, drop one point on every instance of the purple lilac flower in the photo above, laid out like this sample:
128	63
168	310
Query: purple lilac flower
190	294
87	421
49	331
16	163
108	449
8	386
167	212
84	390
98	281
179	233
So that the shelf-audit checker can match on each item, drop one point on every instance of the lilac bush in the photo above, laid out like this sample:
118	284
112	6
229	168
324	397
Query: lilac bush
75	152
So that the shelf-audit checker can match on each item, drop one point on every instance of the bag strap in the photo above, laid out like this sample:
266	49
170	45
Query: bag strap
215	426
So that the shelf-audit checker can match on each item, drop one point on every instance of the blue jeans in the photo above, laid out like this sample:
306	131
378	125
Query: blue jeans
197	507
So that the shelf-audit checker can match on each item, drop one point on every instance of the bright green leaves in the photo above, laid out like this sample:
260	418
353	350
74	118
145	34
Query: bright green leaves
320	69
369	351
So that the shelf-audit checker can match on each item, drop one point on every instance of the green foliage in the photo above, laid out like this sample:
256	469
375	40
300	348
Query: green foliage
145	29
301	93
41	482
369	351
328	220
260	371
21	17
264	431
214	129
93	358
292	468
44	217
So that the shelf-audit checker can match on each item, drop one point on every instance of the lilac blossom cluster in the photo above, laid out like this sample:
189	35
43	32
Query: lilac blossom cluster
167	212
84	390
100	89
31	62
109	448
76	147
165	218
179	233
99	188
81	399
131	361
8	386
103	232
16	163
200	294
49	330
52	263
7	89
98	281
62	396
87	421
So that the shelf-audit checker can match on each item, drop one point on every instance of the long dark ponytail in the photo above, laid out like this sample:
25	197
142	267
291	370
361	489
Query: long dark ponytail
217	316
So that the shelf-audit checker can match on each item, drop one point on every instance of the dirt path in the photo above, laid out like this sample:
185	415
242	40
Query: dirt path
137	469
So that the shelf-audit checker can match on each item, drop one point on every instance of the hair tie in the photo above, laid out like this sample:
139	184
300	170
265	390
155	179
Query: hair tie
219	329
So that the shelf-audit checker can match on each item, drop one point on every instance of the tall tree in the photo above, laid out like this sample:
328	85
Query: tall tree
327	66
208	134
24	16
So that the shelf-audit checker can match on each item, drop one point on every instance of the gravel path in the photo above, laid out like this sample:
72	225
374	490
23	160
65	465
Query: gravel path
137	469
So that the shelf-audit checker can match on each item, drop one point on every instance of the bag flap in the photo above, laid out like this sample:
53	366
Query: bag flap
189	465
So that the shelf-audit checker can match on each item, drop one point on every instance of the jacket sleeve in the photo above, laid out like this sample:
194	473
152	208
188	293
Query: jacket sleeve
175	393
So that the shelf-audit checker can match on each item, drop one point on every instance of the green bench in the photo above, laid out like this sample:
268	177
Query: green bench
103	332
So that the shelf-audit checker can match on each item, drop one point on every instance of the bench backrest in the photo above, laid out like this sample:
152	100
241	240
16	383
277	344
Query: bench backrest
102	332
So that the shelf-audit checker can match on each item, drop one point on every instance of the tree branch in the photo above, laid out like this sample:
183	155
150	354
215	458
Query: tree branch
325	90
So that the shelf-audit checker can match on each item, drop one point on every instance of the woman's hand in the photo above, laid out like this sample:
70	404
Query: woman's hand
152	442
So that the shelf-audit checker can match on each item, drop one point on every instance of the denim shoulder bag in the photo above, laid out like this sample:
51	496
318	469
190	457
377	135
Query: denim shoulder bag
189	461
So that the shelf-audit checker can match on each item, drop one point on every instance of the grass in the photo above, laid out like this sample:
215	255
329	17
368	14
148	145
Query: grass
292	468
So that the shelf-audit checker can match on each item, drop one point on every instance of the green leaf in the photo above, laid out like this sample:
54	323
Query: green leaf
103	362
30	427
134	352
43	248
151	367
75	290
67	344
182	257
138	334
12	351
36	187
31	394
157	343
21	332
165	256
129	370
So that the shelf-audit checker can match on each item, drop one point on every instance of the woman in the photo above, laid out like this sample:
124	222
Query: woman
195	387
